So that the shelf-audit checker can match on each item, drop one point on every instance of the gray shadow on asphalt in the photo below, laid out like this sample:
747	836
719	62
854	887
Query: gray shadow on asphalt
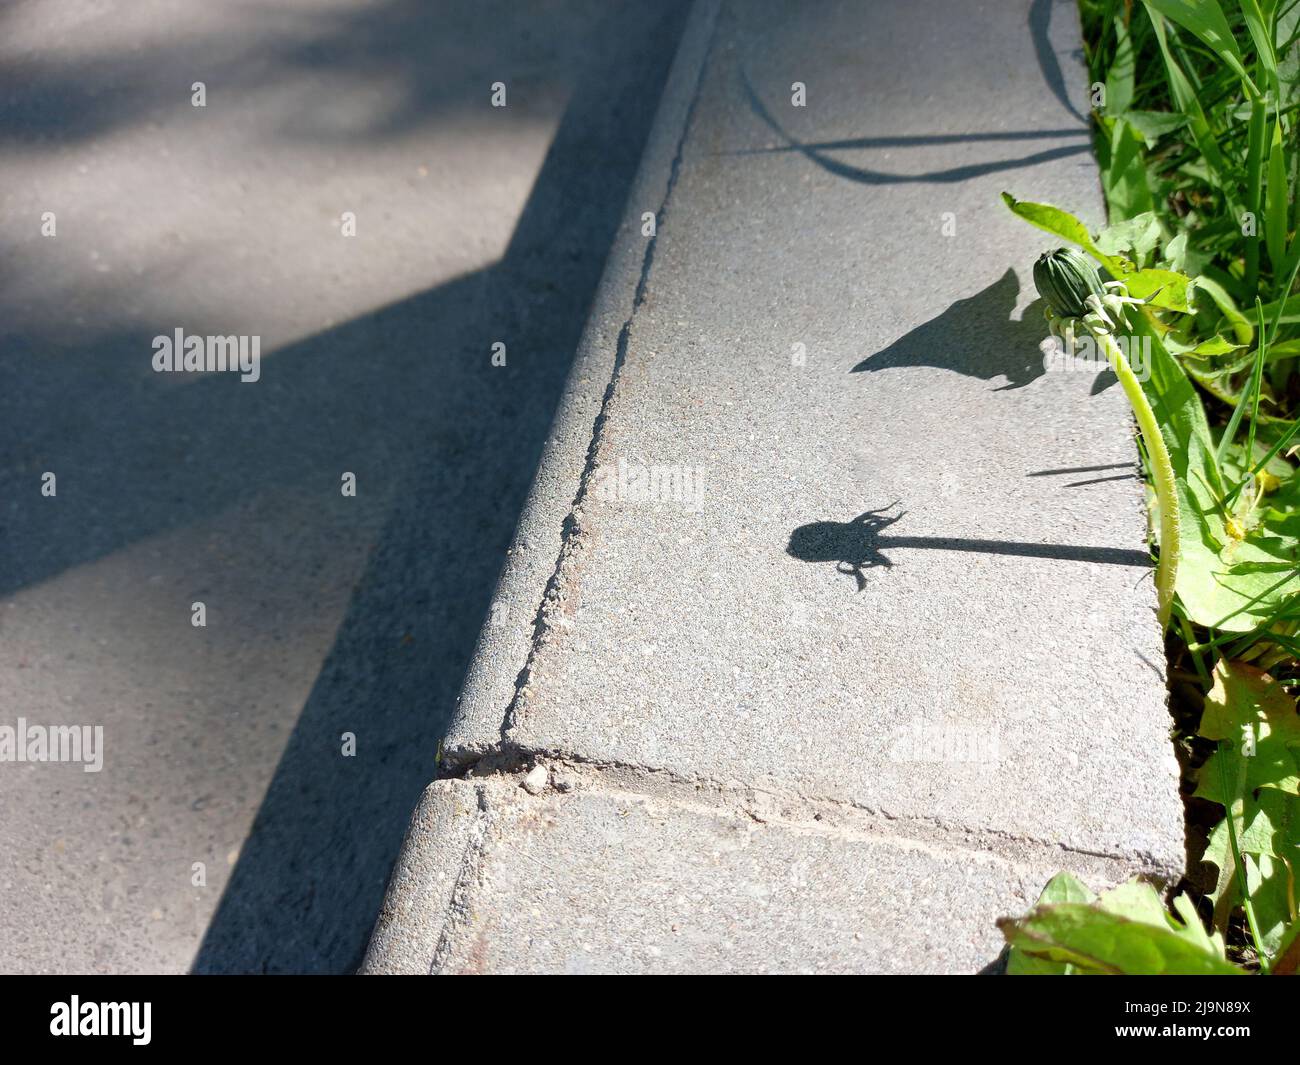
860	545
1040	22
384	395
310	879
818	152
976	337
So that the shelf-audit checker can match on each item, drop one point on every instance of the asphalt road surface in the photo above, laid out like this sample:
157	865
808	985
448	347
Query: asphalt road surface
347	194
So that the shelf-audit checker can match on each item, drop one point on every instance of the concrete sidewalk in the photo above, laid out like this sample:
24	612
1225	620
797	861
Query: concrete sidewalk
827	635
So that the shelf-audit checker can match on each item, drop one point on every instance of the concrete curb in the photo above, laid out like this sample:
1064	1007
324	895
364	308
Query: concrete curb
499	669
429	879
422	892
685	735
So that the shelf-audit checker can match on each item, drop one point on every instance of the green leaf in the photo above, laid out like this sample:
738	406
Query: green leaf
1124	174
1135	900
1098	941
1290	308
1226	306
1064	225
1119	79
1275	209
1134	238
1217	583
1206	20
1257	27
1063	887
1287	962
1217	346
1270	825
1152	125
1194	930
1163	288
1269	882
1184	95
1255	722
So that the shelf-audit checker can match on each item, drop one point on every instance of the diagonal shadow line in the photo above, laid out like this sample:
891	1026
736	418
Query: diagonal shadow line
1081	469
858	545
310	878
864	176
1040	22
917	140
1102	480
1110	556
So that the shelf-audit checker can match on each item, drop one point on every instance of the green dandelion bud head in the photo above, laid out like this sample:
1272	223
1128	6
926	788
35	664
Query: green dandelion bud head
1065	278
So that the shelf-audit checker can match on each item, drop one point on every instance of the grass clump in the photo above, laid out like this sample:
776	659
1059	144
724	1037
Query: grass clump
1196	105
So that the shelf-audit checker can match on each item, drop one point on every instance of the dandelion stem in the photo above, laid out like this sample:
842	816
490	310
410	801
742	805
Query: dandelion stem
1162	471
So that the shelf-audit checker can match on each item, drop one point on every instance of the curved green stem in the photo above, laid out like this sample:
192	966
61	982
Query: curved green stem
1162	471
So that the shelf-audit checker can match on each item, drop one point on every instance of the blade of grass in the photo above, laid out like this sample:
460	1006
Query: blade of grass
1275	204
1261	358
1236	414
1206	20
1283	440
1251	601
1184	98
1255	191
1252	389
1261	36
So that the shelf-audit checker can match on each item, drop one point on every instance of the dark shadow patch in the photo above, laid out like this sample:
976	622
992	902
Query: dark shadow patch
976	337
311	876
1040	22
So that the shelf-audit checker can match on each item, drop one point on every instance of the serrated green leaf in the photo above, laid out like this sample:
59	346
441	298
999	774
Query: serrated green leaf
1101	942
1272	892
1163	288
1194	930
1255	722
1065	887
1271	825
1135	238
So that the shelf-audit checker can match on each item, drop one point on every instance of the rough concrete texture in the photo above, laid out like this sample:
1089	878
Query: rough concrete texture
628	871
325	614
890	565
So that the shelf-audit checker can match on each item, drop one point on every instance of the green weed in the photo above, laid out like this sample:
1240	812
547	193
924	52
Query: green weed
1196	105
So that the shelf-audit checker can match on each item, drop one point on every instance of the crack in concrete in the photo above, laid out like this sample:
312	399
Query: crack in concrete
573	533
790	809
467	879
